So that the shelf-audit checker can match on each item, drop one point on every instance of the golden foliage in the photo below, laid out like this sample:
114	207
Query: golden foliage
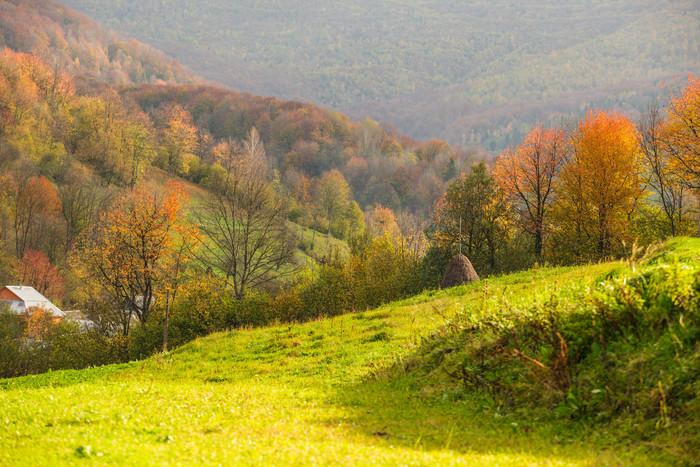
682	132
139	248
599	184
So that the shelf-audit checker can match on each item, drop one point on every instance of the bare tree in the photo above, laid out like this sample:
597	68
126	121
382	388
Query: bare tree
413	237
245	223
82	201
658	176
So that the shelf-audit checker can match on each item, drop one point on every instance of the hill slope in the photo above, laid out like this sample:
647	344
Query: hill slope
431	68
326	392
79	45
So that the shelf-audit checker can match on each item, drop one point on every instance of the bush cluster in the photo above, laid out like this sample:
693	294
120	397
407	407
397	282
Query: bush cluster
36	344
378	271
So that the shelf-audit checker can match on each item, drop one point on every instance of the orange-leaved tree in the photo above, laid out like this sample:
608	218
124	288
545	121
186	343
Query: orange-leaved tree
138	250
527	175
599	183
382	221
682	132
36	270
37	201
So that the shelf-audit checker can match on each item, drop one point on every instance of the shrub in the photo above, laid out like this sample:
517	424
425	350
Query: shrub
37	343
12	359
380	272
326	293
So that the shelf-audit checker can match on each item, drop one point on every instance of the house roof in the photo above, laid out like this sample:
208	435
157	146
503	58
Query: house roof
32	298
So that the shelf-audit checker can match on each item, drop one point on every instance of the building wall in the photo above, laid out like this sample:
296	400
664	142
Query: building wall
6	294
16	306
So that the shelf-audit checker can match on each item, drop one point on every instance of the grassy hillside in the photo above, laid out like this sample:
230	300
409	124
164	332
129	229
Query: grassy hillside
326	392
431	68
306	254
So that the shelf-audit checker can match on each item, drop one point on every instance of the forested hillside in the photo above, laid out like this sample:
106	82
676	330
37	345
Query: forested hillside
153	209
468	72
73	42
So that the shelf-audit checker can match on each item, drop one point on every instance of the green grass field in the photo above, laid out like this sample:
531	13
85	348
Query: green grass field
332	391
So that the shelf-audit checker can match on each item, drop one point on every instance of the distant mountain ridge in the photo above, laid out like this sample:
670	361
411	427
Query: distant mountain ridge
78	44
432	68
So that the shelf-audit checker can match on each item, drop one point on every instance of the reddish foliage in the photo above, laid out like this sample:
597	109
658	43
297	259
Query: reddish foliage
36	270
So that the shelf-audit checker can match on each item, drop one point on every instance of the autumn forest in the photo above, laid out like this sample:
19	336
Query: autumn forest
234	180
155	207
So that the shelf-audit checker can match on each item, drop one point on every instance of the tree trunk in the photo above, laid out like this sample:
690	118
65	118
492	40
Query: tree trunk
698	215
328	238
538	242
167	316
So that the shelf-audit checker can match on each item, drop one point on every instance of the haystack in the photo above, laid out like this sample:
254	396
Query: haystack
459	271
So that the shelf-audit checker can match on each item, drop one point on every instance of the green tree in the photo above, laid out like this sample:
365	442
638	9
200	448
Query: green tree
332	197
450	170
472	217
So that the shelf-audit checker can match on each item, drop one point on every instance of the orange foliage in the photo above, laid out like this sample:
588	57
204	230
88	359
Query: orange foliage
527	175
600	181
682	132
382	221
36	202
39	323
36	270
140	247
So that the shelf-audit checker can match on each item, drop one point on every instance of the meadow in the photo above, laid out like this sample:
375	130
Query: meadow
344	390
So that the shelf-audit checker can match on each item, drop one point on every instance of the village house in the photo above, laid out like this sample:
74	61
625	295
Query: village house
20	298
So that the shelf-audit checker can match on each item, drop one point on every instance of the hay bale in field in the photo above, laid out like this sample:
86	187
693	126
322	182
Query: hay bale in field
459	271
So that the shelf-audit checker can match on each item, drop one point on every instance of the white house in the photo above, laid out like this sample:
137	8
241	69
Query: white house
20	298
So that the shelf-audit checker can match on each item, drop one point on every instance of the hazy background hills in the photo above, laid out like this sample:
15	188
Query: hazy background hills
71	41
470	72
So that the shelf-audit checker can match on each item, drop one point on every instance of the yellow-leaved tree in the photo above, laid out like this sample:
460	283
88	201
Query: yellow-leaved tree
137	251
682	134
599	185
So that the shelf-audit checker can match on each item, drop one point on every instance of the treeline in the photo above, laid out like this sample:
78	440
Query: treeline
74	161
67	149
77	44
303	142
580	193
